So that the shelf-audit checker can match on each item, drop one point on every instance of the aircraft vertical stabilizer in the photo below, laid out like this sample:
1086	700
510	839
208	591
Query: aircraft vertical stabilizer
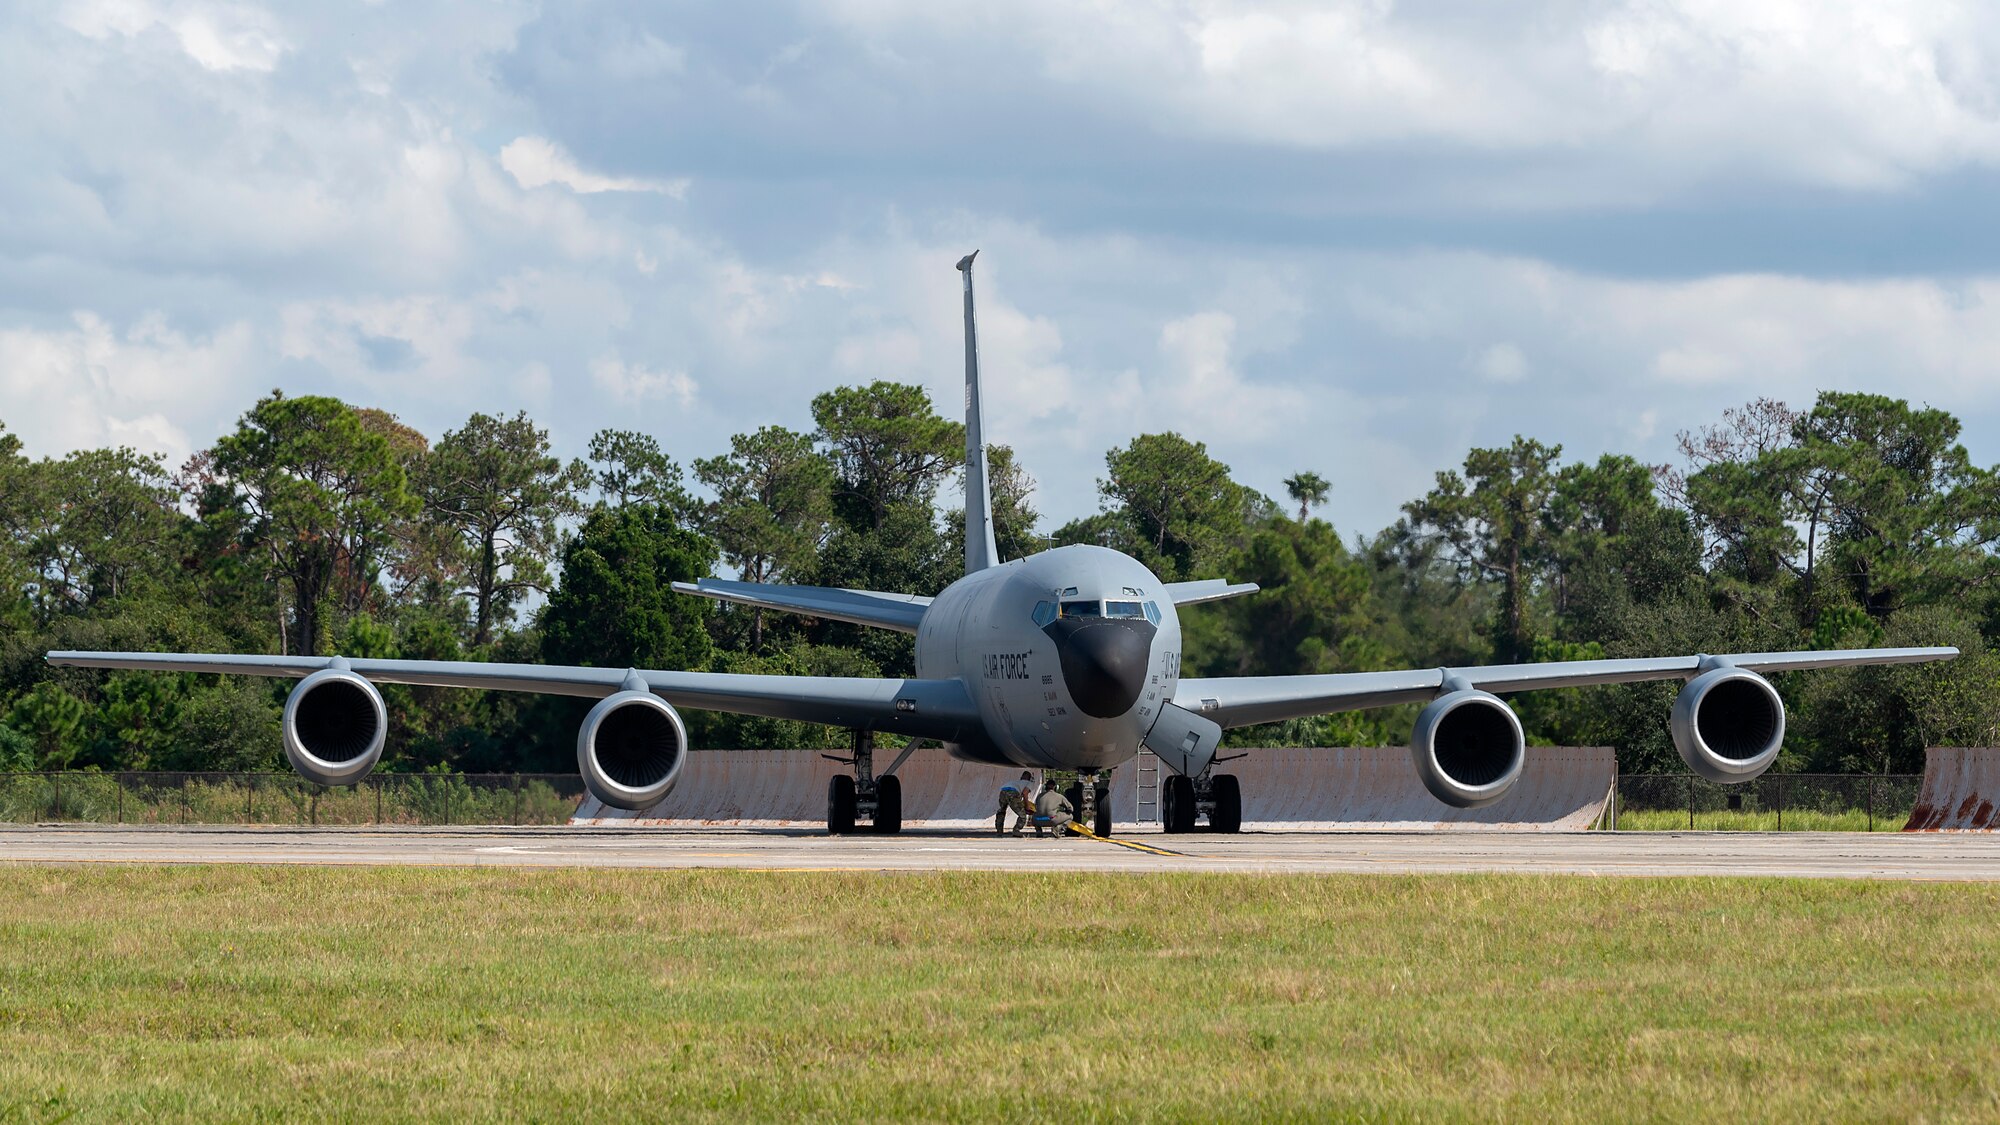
980	551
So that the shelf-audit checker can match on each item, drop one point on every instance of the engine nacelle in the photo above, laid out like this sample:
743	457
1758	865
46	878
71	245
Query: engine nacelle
1728	724
631	749
335	727
1468	748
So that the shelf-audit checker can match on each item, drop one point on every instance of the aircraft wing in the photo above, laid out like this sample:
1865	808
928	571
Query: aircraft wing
1248	700
940	709
1208	590
900	612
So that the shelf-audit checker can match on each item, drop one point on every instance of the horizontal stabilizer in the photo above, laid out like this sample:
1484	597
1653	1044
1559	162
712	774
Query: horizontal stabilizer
1208	590
900	612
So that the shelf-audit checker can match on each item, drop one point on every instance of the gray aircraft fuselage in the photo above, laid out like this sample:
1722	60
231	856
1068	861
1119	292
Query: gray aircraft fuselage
1069	655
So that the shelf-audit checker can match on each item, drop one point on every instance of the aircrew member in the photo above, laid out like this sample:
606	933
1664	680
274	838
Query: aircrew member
1054	809
1015	796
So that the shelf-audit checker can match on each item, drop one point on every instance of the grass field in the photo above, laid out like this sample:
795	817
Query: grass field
359	993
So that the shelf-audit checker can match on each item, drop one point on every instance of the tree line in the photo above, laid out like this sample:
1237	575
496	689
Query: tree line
320	527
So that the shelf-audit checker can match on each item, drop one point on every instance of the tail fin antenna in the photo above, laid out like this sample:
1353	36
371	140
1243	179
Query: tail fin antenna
980	550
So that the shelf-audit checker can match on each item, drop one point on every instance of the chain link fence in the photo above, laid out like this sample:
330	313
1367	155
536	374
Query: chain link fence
287	799
1783	802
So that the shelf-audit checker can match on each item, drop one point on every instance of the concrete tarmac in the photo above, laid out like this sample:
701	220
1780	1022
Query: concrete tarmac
1850	855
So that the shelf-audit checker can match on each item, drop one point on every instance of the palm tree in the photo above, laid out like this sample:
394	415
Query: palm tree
1309	489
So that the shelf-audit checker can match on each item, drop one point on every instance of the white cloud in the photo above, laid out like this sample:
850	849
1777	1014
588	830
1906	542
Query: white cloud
631	382
535	383
316	202
537	162
1203	393
1650	94
91	384
1375	405
1937	339
1646	425
643	56
220	37
891	353
382	343
1502	363
345	169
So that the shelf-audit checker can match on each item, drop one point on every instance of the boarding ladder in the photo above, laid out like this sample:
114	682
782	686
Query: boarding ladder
1146	780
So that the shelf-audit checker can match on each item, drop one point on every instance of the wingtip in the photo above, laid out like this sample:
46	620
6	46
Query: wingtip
965	263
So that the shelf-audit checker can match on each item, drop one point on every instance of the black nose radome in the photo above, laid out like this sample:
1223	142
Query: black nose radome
1104	661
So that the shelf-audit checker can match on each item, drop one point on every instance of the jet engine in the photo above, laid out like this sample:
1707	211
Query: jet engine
1728	724
334	727
1468	748
631	749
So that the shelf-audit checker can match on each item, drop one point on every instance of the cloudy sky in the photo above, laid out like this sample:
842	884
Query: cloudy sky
1350	237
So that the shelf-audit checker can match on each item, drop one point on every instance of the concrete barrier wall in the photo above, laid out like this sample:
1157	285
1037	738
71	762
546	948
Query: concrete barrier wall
1961	786
1359	789
1375	789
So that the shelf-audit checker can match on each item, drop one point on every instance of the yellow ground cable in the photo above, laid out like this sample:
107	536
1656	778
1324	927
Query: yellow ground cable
1079	829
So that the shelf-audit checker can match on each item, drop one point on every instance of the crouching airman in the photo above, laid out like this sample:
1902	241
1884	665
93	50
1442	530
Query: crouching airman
1053	811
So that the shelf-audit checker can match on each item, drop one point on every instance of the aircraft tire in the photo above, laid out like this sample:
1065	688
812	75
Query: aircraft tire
1228	813
888	805
839	804
1177	810
1103	825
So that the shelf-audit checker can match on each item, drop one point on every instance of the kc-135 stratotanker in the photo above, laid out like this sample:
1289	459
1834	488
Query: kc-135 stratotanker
1068	659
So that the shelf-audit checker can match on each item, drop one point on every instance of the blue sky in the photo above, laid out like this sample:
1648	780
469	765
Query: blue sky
1355	238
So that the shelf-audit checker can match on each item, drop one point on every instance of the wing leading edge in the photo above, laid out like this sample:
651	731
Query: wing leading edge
939	709
1248	700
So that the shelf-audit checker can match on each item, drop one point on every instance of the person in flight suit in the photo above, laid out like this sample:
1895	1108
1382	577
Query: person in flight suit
1054	808
1015	795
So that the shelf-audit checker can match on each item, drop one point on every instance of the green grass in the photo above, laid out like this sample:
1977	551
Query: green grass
366	993
1763	820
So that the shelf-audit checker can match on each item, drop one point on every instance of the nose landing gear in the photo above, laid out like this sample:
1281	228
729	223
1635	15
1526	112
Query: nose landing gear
1091	797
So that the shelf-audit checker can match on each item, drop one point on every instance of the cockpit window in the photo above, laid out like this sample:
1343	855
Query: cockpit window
1083	609
1153	612
1045	612
1123	609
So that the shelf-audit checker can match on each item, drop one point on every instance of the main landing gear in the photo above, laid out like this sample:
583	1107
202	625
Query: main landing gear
1216	795
1090	796
863	796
